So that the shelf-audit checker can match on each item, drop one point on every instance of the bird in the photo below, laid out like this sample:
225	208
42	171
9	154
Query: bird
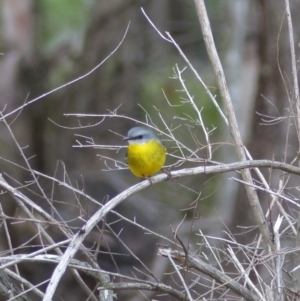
146	154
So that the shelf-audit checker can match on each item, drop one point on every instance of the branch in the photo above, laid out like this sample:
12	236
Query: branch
30	287
233	125
101	213
279	260
81	235
199	265
21	200
8	288
158	287
71	82
243	273
294	63
85	267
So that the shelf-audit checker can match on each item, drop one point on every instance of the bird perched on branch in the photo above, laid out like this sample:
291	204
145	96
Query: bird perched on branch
146	154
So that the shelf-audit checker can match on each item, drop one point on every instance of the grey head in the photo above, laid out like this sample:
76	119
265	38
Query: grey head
140	134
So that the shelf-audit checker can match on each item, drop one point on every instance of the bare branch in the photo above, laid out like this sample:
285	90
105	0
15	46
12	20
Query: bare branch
207	269
233	125
71	82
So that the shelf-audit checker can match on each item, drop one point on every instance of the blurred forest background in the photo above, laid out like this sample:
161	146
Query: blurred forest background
46	43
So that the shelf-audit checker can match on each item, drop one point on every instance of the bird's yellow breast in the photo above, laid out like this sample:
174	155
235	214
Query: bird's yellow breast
146	159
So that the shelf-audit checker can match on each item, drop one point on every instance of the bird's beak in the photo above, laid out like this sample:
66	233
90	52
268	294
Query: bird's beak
126	138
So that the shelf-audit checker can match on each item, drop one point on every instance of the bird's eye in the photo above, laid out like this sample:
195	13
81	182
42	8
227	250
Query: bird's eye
140	136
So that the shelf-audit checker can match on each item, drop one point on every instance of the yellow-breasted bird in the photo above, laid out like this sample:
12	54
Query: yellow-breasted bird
146	154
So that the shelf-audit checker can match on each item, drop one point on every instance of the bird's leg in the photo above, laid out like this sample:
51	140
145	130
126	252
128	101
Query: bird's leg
146	178
149	179
167	172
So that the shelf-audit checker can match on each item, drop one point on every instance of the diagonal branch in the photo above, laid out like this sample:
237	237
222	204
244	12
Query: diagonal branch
233	125
199	265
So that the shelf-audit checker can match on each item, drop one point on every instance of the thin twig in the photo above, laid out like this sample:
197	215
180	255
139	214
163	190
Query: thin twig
279	260
180	277
73	81
207	269
244	273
